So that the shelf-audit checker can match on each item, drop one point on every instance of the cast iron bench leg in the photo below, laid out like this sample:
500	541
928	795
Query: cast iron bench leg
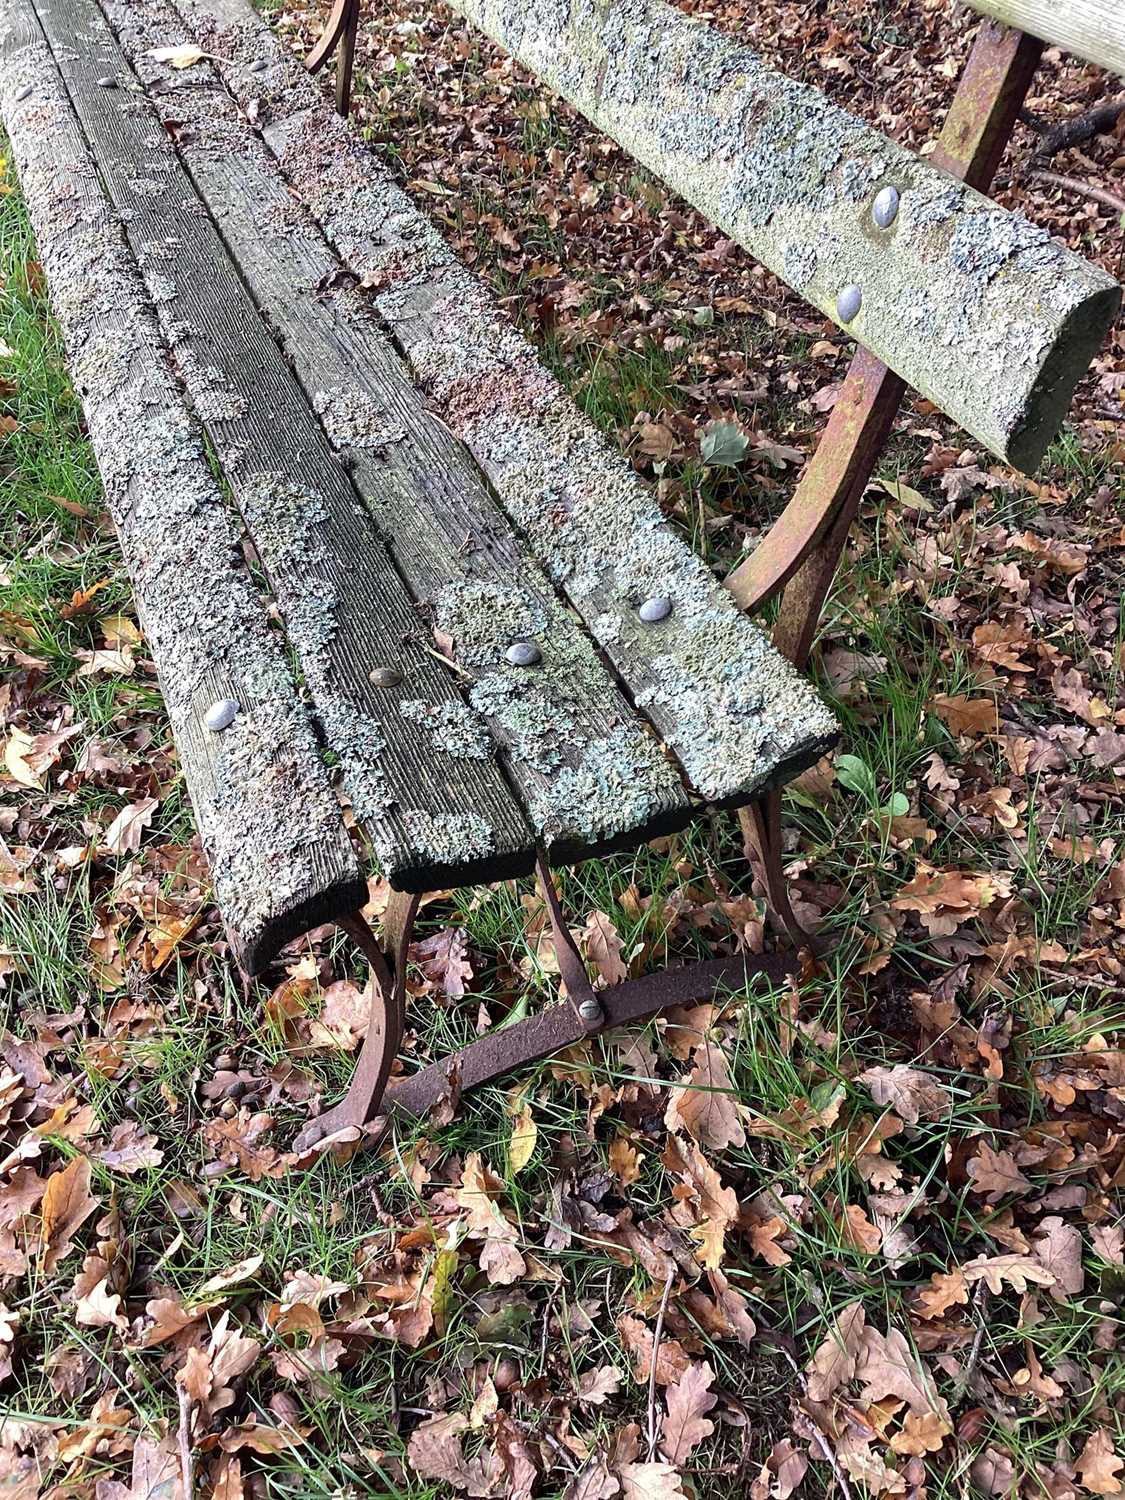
339	31
384	1029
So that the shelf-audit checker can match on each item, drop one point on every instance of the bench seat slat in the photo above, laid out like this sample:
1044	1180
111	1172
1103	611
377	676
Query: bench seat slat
975	307
737	716
587	770
435	816
281	859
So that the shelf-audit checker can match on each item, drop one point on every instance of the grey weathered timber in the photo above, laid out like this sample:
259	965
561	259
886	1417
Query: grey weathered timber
587	770
435	814
1093	29
977	308
281	859
735	714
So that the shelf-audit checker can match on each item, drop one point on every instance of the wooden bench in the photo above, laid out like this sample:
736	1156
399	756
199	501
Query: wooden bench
378	554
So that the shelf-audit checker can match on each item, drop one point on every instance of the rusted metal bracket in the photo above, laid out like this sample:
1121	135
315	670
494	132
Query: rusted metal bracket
340	31
384	1028
511	1047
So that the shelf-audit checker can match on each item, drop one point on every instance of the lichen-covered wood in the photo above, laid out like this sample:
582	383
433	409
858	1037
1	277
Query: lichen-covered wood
584	765
1093	29
976	307
434	818
281	860
735	714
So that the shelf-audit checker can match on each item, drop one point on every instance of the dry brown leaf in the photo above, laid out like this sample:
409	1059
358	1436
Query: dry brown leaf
649	1482
67	1205
888	1366
1016	1270
123	836
912	1094
434	1452
637	1339
834	1362
685	1423
1099	1468
995	1174
705	1104
944	1291
596	1386
444	959
129	1149
601	943
1058	1249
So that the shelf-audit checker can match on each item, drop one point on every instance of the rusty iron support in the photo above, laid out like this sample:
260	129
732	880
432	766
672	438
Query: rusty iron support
801	551
385	1023
340	31
508	1048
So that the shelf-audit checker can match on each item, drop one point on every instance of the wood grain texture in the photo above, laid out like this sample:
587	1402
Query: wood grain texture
281	860
1093	29
735	714
435	815
586	768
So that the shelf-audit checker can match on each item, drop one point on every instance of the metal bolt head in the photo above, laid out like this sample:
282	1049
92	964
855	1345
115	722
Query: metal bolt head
523	654
885	208
385	677
24	93
221	714
590	1010
259	65
658	607
107	83
849	302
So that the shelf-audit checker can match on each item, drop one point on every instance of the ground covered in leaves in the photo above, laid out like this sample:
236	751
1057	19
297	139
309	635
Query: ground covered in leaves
863	1235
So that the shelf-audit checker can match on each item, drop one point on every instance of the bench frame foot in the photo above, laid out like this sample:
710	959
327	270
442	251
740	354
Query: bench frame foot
584	1013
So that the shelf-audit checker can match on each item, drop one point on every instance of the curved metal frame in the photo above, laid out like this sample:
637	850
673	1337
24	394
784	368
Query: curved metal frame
584	1013
340	31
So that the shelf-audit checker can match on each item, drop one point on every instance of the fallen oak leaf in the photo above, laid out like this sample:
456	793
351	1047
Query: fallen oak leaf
129	1150
995	1174
67	1205
596	1386
685	1423
912	1094
1098	1465
649	1482
1017	1270
123	836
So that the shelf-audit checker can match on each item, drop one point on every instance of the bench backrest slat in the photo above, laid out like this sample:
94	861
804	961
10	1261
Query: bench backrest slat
281	859
1091	29
433	819
975	307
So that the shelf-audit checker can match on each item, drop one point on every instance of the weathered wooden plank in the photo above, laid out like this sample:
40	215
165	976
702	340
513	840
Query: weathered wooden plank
735	714
436	813
974	306
281	859
1093	29
584	764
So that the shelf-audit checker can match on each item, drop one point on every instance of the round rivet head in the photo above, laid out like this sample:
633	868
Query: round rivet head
590	1011
848	303
221	714
259	65
659	607
385	677
523	654
107	83
885	208
24	93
